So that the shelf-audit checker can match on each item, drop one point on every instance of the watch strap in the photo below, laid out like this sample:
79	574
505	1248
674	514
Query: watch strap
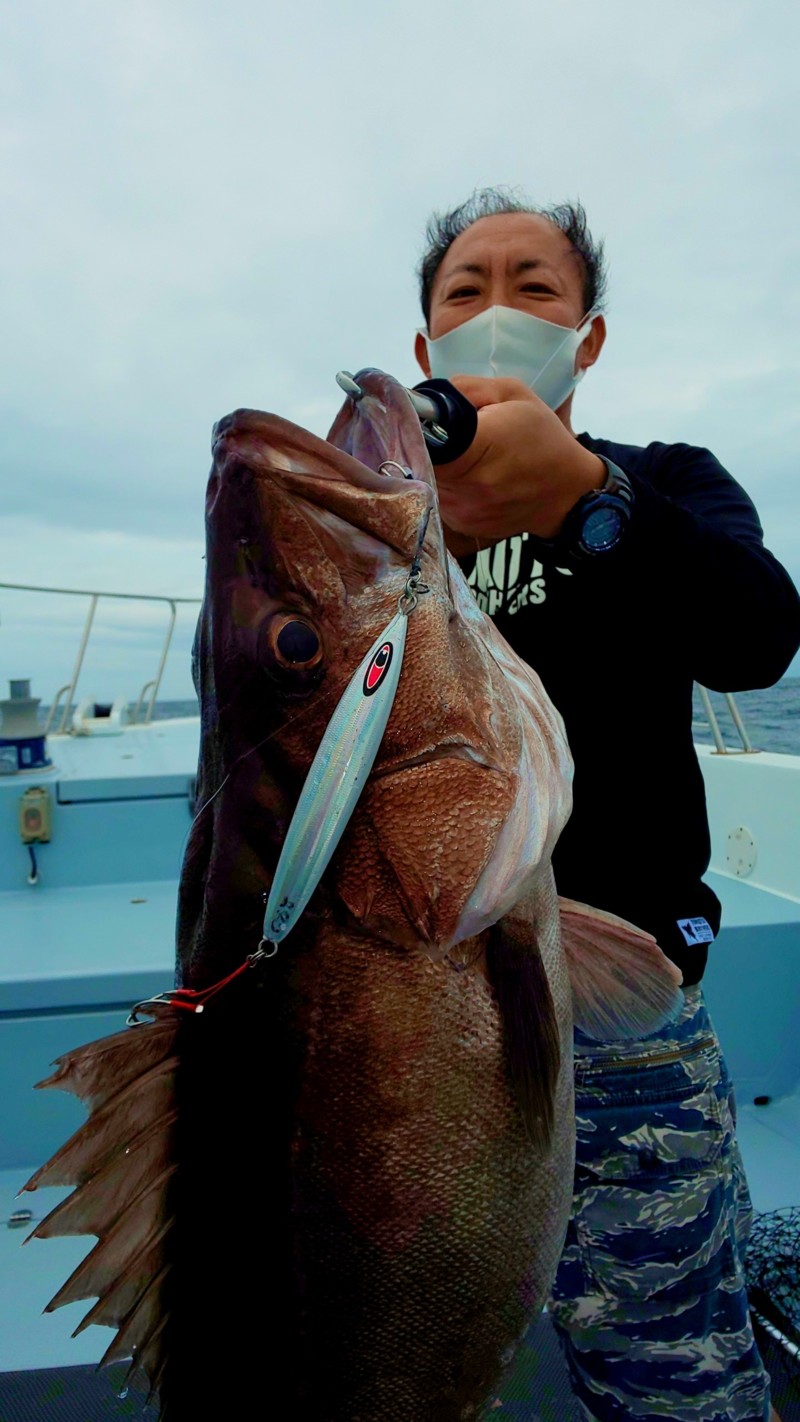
615	493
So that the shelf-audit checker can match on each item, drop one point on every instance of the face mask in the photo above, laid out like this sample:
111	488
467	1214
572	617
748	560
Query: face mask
504	342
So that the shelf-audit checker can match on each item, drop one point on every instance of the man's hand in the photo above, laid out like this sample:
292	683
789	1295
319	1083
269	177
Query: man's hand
522	473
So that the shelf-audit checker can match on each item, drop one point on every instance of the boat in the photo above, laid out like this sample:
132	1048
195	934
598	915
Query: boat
95	806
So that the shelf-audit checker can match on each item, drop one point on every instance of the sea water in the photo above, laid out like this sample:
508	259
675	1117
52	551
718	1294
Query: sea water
771	717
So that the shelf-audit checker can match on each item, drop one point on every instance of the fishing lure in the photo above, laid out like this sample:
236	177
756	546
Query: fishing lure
339	771
337	775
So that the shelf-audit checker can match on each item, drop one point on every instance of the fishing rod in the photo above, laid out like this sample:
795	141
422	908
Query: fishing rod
448	419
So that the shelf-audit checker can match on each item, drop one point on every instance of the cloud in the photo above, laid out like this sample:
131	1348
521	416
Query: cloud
207	208
40	633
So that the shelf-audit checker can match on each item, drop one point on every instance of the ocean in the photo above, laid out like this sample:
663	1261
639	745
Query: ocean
771	717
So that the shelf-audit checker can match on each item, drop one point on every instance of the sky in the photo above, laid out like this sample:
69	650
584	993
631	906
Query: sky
206	206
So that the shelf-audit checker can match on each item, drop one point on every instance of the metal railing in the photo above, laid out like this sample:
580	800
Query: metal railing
152	686
714	726
69	688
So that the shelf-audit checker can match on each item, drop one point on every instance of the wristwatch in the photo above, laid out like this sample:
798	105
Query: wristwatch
596	523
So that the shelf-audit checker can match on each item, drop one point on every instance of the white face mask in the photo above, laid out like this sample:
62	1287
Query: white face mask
502	341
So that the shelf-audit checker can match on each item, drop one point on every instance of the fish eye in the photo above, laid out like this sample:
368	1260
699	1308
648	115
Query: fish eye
294	643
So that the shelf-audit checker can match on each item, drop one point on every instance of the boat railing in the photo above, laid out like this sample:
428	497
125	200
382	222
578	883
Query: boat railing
747	747
151	686
67	691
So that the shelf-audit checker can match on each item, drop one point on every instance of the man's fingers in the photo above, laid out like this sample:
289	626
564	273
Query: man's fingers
478	391
481	390
450	474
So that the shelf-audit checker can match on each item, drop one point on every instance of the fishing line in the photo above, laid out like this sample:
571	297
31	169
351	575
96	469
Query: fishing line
340	769
186	998
283	726
420	588
338	772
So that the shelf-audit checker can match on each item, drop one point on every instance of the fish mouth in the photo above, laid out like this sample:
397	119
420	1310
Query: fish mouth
450	750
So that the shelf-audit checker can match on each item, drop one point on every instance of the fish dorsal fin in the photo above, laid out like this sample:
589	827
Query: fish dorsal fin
132	1148
623	986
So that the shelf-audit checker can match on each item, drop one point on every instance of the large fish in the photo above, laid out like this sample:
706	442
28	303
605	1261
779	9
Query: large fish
340	1193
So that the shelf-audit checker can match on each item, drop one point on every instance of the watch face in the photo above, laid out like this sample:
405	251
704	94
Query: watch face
601	528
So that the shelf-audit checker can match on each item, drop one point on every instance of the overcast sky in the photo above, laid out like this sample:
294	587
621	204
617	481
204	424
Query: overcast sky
207	205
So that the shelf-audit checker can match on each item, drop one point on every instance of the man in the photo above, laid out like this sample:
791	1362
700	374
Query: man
622	574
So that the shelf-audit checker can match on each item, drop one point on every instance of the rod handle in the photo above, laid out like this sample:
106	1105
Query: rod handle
455	415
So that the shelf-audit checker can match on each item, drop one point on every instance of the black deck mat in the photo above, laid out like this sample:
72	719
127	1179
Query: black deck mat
85	1395
82	1394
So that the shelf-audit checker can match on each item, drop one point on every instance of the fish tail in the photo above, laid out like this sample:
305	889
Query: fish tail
121	1162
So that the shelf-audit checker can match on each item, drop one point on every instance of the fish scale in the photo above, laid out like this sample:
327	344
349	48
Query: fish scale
352	1161
421	1047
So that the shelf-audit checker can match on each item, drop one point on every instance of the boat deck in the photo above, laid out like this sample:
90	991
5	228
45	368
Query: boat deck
67	992
96	934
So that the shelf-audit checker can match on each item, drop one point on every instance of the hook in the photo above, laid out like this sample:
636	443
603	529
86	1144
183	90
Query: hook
346	383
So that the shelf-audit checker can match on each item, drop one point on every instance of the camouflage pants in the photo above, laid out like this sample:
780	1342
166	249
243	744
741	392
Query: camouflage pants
649	1300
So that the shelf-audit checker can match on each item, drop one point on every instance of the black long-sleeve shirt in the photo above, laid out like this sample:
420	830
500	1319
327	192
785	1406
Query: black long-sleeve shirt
690	594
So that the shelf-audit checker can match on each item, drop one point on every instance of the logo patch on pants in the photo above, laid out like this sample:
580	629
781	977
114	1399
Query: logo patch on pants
696	930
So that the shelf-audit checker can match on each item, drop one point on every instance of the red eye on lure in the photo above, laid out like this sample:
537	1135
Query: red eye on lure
378	668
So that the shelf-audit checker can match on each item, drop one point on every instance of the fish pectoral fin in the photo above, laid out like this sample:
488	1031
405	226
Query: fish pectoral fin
121	1161
530	1027
623	986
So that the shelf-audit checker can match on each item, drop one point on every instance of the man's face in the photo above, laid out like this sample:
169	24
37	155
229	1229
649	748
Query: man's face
515	259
